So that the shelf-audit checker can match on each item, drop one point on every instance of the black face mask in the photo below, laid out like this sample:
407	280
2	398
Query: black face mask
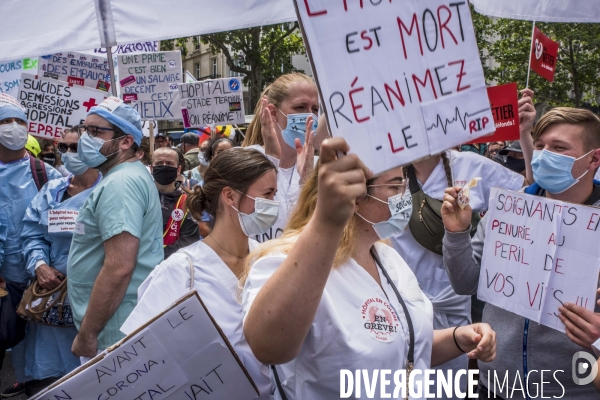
164	175
515	164
49	158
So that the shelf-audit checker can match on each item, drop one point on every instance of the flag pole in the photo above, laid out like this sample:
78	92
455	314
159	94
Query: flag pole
111	70
530	53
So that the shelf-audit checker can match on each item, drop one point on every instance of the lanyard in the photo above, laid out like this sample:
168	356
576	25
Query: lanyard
525	368
171	234
410	359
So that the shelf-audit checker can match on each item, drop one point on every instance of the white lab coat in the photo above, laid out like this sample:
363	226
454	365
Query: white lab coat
339	337
218	288
449	308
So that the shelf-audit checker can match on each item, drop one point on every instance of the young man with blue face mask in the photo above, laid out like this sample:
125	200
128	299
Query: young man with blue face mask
566	156
118	234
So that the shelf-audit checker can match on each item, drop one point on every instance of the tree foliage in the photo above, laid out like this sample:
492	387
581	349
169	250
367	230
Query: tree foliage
508	43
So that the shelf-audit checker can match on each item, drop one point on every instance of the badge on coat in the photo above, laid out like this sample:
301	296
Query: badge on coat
379	320
177	214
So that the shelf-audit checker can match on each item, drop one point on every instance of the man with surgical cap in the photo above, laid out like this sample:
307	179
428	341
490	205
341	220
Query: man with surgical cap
118	233
17	188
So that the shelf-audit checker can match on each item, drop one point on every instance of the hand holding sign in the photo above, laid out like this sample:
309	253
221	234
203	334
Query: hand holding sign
583	326
527	110
455	218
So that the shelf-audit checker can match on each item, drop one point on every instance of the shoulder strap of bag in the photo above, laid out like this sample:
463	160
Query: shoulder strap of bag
413	183
278	383
191	287
38	171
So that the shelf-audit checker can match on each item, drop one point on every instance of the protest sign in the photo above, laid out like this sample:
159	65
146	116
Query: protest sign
212	102
10	74
62	220
150	82
53	105
139	47
538	254
504	101
180	354
76	68
399	80
544	52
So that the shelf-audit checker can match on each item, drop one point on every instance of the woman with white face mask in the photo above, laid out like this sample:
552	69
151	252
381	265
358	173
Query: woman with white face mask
46	250
329	295
239	186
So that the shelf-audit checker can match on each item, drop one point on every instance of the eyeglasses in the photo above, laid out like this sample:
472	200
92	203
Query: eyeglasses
64	148
400	188
92	130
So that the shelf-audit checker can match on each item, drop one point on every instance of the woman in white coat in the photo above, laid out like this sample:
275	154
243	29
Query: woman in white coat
239	186
329	295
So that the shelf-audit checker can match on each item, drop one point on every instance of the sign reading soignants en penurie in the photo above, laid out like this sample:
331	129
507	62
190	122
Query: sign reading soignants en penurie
53	105
180	354
400	80
539	254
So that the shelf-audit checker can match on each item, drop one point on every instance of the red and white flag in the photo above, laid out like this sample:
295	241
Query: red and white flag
543	55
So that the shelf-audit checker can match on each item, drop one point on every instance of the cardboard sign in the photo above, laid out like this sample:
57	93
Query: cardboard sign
62	220
504	101
150	82
180	354
538	254
53	105
543	55
10	74
212	102
399	80
76	68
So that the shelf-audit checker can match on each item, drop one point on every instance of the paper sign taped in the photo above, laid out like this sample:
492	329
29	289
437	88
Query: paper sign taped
149	77
399	80
53	105
539	254
179	354
62	220
212	102
76	68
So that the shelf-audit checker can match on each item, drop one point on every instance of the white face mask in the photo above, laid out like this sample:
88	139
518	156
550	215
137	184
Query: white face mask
13	136
401	208
262	219
202	158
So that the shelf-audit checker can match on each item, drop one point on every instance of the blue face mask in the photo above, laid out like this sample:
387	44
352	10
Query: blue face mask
88	150
296	127
401	209
74	164
552	171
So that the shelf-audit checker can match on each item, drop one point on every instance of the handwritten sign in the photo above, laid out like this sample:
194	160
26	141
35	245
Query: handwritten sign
180	354
505	109
399	80
76	68
212	102
10	74
150	82
138	47
538	254
53	105
62	220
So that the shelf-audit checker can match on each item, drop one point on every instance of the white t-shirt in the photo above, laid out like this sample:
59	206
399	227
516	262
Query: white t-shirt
288	189
218	288
342	335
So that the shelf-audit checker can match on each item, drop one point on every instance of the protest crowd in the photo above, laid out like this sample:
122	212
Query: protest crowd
307	262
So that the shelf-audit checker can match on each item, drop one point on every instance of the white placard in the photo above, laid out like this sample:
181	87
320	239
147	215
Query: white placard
62	220
53	105
76	68
212	102
138	47
399	80
150	82
10	74
180	354
538	254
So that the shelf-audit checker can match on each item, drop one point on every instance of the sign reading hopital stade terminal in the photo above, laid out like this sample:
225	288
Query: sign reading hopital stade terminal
400	80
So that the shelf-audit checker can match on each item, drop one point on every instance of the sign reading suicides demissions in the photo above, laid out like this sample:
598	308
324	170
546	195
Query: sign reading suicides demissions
149	81
400	80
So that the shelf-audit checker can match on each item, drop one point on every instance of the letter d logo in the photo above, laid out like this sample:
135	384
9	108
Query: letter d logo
582	367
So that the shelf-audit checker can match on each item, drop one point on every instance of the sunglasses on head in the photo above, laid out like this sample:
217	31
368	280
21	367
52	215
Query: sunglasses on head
63	147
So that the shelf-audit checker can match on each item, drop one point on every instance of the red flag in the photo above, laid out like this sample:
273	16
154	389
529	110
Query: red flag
504	102
543	55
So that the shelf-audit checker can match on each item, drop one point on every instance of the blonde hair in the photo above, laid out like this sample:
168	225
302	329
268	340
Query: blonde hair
573	116
276	93
303	212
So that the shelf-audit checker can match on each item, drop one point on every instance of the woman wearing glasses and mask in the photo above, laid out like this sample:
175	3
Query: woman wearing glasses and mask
329	295
239	186
46	249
